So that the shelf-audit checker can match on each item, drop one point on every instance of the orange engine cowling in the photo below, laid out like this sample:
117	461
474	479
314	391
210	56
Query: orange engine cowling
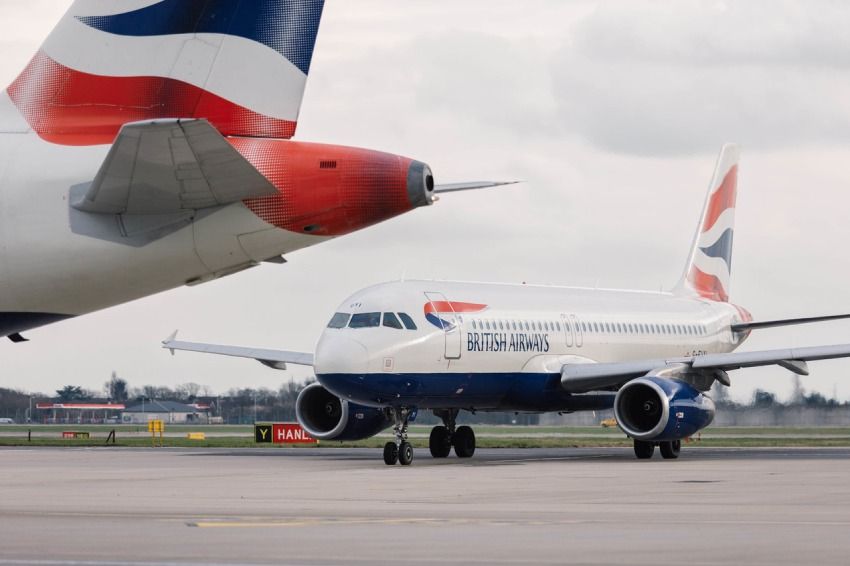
332	190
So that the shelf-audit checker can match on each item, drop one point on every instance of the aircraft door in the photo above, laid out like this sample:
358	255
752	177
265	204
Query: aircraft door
446	318
576	324
568	330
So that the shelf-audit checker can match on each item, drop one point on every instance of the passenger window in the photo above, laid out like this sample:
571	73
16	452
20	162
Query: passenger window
501	326
407	321
584	326
339	320
391	321
527	328
365	320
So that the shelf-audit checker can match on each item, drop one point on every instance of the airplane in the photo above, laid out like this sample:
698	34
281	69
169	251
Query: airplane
147	146
396	348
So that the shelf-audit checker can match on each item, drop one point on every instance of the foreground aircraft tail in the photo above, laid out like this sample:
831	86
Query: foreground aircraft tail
240	65
709	266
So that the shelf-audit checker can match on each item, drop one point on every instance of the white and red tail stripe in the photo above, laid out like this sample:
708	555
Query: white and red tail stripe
710	263
241	65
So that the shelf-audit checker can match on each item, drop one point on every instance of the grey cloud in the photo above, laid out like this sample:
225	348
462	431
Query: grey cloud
681	77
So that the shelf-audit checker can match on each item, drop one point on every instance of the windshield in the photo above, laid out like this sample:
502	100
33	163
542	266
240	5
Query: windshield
339	320
391	321
408	322
365	320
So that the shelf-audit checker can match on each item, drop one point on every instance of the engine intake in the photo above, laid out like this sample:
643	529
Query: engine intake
327	417
660	409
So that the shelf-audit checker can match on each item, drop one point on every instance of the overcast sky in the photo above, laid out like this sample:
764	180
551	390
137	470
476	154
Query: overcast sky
611	111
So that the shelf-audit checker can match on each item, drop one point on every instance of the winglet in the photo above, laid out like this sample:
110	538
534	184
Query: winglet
169	340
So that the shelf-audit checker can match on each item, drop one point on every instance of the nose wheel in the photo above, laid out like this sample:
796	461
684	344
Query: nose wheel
400	451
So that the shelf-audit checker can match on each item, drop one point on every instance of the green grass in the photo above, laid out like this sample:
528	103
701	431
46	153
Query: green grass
505	437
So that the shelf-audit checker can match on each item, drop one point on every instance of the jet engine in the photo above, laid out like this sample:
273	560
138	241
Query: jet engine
660	409
327	417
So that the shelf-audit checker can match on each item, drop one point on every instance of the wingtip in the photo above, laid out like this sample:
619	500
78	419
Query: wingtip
169	340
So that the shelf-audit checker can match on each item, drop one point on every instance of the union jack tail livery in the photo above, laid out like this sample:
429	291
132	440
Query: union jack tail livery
710	263
109	63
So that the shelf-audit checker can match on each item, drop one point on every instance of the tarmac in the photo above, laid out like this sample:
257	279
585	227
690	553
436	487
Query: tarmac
94	506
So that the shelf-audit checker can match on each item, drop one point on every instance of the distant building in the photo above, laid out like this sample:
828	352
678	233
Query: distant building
166	411
93	411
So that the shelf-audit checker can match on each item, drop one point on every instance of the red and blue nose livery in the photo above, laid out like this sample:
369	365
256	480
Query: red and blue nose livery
433	310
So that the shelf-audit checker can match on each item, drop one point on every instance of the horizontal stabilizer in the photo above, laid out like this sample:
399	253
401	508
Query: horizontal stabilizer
276	359
455	187
579	378
746	326
168	166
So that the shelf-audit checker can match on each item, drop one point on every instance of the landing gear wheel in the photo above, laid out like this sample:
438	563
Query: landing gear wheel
440	442
405	454
644	450
390	453
670	450
464	442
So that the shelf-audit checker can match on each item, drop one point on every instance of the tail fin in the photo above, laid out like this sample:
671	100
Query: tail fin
241	65
709	266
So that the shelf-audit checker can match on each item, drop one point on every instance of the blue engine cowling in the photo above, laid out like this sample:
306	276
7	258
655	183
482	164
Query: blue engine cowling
327	417
660	409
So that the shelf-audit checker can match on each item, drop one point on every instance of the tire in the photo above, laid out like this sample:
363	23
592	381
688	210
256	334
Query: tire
405	454
390	453
440	442
644	450
464	442
670	450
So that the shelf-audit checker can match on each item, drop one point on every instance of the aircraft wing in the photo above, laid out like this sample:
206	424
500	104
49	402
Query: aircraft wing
276	359
166	166
578	378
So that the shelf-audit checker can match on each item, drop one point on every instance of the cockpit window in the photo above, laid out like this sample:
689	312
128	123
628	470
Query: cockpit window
365	320
408	322
339	320
391	321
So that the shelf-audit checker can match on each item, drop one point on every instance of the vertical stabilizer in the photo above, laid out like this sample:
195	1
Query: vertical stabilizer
709	266
240	65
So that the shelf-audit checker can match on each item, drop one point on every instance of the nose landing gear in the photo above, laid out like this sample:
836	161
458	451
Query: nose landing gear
399	451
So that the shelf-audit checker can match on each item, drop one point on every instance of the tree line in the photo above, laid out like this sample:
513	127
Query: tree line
246	404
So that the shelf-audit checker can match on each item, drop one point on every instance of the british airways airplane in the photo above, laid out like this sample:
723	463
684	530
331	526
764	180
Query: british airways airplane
146	146
396	348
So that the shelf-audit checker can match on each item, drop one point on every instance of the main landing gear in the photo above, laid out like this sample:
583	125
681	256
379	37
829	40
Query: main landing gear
441	441
399	451
444	437
669	450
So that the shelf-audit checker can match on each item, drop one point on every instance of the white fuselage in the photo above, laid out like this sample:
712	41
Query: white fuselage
55	259
487	343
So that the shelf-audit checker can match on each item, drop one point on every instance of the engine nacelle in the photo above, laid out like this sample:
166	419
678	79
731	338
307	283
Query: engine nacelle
660	409
327	417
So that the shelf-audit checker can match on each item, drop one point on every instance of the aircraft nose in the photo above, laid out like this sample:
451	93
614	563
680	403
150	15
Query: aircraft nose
339	352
